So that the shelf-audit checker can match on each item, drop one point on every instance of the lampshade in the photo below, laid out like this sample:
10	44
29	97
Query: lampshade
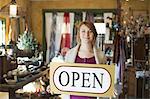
13	9
100	28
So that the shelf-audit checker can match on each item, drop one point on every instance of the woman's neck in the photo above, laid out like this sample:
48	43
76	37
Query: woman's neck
86	47
85	51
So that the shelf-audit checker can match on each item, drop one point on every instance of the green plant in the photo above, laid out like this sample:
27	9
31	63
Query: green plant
26	41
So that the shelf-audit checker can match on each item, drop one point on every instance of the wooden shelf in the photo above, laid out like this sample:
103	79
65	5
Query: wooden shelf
11	88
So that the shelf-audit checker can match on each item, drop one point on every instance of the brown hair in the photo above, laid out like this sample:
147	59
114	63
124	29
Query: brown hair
91	26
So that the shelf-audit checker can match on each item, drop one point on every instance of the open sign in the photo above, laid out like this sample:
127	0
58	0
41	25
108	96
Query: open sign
82	79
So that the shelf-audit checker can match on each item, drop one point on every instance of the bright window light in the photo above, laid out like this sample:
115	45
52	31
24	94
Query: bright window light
2	32
100	28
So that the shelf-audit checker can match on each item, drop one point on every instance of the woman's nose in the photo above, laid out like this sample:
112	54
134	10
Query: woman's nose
87	33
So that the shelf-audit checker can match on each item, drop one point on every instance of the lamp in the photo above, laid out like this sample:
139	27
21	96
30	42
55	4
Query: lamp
13	9
101	30
9	9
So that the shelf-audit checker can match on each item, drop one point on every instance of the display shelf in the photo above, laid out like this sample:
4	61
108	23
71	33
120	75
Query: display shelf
11	88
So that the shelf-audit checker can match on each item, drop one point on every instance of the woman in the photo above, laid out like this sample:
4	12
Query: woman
85	51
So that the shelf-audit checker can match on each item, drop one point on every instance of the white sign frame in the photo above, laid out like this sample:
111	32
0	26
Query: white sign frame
82	79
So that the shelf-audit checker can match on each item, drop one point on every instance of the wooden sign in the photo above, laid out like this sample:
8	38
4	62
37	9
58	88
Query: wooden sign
82	79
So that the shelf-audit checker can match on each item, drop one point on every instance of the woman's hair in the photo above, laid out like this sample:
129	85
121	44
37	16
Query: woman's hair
91	26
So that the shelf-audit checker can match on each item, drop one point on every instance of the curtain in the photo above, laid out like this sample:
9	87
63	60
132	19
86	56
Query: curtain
48	22
59	24
50	36
65	34
71	28
52	39
77	19
67	30
90	17
83	16
54	24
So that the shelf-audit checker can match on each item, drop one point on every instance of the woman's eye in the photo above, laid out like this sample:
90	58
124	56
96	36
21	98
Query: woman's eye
83	31
90	31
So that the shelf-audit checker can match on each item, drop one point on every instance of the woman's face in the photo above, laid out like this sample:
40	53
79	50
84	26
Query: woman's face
86	35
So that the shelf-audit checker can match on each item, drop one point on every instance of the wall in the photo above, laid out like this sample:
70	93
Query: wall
36	10
135	6
4	2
